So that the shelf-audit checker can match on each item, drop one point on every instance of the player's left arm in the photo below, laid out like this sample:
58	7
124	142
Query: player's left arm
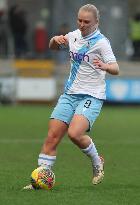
107	62
111	68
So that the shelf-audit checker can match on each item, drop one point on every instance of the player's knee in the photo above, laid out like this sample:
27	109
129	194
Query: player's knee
73	135
52	137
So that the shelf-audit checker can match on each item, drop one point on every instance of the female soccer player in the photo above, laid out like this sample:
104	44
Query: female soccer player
91	57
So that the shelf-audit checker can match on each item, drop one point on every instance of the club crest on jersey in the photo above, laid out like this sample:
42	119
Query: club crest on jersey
88	45
79	56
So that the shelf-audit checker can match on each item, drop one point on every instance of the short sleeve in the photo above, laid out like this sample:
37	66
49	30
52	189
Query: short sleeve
106	51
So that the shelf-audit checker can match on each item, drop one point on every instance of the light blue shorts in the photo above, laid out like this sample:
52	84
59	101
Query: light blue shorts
85	105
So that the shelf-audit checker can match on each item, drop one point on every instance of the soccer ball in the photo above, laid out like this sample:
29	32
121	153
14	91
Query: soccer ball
42	178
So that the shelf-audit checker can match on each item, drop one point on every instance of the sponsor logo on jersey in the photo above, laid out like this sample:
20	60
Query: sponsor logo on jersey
79	56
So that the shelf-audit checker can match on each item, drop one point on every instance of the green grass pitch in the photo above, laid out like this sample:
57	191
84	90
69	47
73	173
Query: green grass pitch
117	136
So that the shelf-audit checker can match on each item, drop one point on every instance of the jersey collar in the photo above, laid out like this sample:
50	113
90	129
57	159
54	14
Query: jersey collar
92	35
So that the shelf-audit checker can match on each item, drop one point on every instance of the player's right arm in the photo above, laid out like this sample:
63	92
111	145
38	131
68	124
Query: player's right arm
57	41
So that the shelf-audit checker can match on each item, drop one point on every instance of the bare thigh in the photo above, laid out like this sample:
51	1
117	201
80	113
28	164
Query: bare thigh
76	132
79	125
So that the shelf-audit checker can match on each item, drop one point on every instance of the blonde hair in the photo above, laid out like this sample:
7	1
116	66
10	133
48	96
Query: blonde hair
91	8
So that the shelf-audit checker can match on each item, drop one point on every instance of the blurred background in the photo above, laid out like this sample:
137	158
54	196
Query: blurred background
30	72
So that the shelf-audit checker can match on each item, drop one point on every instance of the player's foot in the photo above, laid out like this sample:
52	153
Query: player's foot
98	172
28	187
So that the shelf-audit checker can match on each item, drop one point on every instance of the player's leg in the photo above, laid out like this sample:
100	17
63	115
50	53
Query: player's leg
86	113
60	119
76	133
47	157
78	126
77	129
57	130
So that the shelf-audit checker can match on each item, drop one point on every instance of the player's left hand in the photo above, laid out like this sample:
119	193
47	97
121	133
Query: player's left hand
99	64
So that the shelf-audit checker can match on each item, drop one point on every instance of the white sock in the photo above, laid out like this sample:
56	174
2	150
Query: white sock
46	160
91	152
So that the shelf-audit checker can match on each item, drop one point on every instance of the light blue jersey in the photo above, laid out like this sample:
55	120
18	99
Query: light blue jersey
84	77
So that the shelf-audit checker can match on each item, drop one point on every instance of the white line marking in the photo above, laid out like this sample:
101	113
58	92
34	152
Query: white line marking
66	141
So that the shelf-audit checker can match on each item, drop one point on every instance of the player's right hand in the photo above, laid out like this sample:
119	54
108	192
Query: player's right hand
60	40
